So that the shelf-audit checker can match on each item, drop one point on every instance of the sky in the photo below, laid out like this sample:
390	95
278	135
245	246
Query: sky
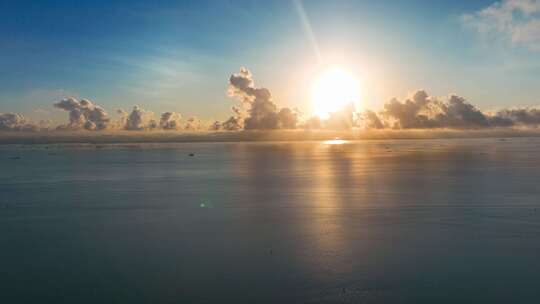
178	55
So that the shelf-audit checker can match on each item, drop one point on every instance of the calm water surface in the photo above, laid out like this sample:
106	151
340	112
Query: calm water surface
411	221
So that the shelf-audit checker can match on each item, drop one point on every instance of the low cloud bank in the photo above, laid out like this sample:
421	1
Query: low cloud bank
422	111
17	122
257	110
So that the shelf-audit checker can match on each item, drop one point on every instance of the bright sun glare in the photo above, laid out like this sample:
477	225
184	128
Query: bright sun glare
333	91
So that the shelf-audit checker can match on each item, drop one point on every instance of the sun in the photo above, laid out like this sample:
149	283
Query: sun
334	90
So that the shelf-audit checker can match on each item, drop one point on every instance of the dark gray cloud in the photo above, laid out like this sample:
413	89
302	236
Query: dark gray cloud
262	112
83	114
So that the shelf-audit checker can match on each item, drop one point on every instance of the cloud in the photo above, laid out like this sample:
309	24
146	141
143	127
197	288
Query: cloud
262	112
17	122
287	118
234	123
193	124
344	119
516	117
140	119
83	114
371	120
170	121
312	123
422	111
215	126
413	113
457	113
515	21
257	111
120	124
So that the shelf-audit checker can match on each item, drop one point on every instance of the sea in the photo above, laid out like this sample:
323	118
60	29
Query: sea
374	221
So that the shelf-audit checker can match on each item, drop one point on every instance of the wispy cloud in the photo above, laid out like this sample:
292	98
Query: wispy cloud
516	22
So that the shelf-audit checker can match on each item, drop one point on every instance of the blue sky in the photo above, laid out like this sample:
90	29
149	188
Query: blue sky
177	55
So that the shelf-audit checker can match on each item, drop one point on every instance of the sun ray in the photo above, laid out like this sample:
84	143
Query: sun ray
307	27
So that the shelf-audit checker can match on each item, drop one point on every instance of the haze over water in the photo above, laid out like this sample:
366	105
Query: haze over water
397	221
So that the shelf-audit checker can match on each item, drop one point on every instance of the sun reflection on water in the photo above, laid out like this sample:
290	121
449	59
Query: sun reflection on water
335	141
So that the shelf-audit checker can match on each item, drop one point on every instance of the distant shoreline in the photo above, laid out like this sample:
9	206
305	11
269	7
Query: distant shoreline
57	137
